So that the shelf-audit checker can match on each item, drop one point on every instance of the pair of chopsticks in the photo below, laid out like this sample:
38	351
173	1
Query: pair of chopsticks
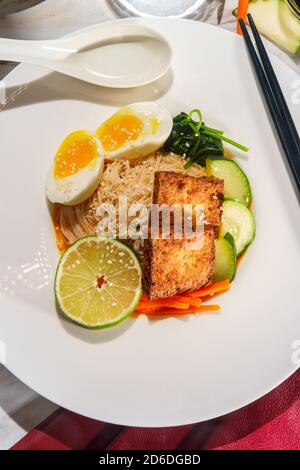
282	119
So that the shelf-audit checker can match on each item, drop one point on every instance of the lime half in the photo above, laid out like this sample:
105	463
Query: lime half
98	282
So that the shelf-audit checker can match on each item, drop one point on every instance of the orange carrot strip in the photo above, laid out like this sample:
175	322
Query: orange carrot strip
241	13
207	298
183	298
191	300
157	308
159	301
170	311
210	308
180	312
164	312
164	303
155	304
211	289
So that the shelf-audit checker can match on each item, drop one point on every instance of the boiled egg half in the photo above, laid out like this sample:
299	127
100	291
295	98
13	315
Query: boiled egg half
76	170
135	131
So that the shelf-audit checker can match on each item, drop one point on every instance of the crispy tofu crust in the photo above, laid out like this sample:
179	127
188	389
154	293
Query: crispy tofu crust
176	188
171	266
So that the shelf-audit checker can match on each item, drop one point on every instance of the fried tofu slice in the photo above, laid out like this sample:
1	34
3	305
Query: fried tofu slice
176	188
171	266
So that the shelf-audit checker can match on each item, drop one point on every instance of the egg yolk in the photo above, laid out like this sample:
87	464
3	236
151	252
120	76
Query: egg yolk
119	130
76	152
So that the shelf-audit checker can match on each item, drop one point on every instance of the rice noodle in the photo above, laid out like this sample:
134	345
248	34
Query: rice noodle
133	179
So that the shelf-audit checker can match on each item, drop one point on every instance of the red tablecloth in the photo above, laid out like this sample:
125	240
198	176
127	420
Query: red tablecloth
273	422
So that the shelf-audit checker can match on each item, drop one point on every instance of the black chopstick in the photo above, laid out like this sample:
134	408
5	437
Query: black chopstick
283	130
278	95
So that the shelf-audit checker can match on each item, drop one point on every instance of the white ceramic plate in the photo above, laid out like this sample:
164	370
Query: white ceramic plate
146	373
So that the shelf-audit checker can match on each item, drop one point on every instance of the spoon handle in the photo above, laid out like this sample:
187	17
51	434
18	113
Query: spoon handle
37	52
41	52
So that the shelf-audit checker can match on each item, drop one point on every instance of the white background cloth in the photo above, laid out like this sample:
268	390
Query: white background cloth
20	408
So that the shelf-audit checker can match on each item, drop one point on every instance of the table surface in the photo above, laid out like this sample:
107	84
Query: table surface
20	407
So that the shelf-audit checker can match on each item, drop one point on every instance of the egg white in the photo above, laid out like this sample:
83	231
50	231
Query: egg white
74	189
147	142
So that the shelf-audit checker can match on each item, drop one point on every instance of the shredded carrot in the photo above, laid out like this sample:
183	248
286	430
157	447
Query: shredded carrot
207	298
173	311
156	304
194	302
210	289
241	13
182	304
173	302
203	291
210	308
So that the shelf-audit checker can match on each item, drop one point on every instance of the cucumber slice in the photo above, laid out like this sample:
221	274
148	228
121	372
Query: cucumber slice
225	259
236	184
230	239
238	220
277	22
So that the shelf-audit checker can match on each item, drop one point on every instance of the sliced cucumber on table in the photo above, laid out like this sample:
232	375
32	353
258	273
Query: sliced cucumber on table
225	258
236	184
275	19
238	220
